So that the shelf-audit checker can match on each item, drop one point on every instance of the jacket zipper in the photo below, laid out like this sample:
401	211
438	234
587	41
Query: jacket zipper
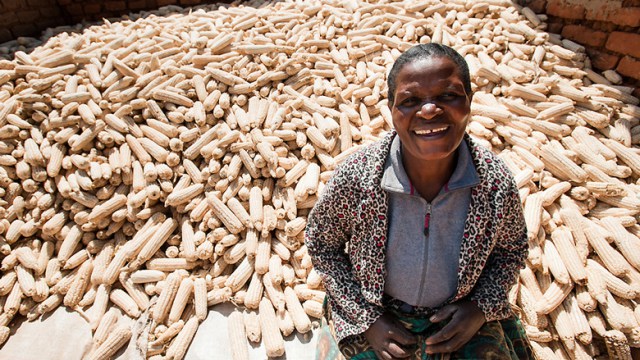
427	219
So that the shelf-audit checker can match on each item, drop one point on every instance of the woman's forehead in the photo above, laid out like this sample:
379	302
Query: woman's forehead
435	70
440	67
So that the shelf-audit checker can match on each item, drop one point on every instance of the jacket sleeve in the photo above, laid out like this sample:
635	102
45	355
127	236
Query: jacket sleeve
329	227
505	261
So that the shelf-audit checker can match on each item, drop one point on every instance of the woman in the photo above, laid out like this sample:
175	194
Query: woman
420	236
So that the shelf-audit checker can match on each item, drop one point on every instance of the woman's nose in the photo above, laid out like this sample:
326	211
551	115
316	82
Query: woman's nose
429	110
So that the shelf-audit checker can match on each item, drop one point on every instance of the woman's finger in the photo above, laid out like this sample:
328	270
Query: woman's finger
443	314
402	335
397	351
384	355
446	333
451	345
379	354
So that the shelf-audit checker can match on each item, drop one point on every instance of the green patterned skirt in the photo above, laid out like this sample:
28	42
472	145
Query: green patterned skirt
496	340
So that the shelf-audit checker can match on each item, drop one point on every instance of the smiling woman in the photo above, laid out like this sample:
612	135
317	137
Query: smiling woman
430	113
419	237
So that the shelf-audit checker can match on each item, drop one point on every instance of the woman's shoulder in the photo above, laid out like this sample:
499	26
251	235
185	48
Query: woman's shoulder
368	160
489	166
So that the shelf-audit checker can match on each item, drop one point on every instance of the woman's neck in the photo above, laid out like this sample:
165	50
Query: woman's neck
429	177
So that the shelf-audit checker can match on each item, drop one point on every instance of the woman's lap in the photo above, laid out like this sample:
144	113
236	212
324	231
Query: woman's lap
503	339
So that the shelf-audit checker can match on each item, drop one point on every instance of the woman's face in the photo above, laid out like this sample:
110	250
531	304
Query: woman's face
431	109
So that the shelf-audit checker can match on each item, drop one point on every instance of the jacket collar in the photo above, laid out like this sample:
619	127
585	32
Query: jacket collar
396	179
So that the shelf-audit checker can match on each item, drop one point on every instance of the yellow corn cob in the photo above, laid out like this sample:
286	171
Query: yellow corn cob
553	297
618	317
611	258
87	299
69	243
297	312
596	284
161	308
135	291
238	337
188	244
256	207
567	251
576	223
240	275
578	320
200	298
563	326
180	344
263	254
27	258
555	263
614	284
82	279
168	96
313	308
6	282
222	212
235	253
538	336
125	302
184	195
625	154
25	280
275	269
562	166
252	326
585	301
542	352
617	345
105	326
217	296
157	239
254	292
112	344
169	333
183	295
270	333
533	214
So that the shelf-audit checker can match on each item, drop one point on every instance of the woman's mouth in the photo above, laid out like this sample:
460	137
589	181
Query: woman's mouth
431	132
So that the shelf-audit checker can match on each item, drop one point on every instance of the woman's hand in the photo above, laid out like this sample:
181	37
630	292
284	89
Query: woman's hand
466	320
389	339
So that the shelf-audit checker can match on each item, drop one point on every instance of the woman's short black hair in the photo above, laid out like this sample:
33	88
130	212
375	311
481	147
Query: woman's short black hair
423	52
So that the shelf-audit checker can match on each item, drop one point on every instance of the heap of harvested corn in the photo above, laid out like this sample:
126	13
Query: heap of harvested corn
167	163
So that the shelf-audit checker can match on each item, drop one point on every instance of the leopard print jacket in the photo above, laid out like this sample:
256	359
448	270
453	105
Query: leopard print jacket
346	236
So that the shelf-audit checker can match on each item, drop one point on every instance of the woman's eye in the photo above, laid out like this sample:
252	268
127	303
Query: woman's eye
449	96
410	101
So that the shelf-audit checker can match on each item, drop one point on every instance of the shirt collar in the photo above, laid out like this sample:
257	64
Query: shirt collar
395	177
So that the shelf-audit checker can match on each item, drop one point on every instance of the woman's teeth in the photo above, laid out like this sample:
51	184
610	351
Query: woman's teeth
431	131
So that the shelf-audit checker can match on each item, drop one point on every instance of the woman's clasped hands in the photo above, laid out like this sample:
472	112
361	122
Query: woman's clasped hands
390	340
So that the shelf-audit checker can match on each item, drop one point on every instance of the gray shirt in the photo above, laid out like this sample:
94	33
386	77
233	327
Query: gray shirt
423	244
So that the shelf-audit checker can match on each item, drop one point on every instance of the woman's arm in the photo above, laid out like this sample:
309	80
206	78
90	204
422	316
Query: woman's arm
503	265
329	227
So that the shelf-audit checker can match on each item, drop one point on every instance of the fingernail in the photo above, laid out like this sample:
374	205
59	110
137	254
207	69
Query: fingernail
432	319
